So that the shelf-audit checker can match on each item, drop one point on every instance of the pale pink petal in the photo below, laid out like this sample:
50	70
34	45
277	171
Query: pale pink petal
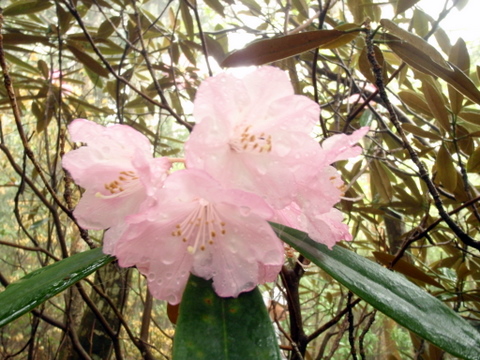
253	133
341	146
197	226
117	170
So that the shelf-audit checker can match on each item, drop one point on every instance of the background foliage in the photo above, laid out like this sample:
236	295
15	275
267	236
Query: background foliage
411	200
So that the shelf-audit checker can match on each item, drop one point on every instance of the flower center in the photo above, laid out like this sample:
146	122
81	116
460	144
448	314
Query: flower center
247	141
125	181
201	227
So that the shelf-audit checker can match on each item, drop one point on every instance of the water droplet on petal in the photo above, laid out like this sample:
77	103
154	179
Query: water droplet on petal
245	211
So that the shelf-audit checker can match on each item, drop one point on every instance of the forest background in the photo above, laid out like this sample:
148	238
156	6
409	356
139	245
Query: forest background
411	199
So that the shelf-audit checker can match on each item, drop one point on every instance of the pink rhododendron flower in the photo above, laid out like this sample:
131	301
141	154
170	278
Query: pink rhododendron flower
116	169
254	133
312	210
200	227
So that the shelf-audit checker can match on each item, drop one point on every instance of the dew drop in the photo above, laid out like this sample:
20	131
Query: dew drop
245	211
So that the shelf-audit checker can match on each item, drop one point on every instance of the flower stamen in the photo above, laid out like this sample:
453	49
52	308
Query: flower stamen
200	227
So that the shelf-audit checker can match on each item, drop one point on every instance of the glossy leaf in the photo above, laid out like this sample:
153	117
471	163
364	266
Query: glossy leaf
40	285
390	293
274	49
211	327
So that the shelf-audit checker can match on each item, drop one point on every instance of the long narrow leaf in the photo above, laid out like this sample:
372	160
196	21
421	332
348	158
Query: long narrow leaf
39	286
390	293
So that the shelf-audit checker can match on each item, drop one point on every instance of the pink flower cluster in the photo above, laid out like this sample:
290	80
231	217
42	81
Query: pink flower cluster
250	159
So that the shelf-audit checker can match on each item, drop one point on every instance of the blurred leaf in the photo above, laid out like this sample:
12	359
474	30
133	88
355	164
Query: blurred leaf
436	103
460	4
473	164
471	117
274	49
380	181
239	327
187	19
464	140
217	6
24	7
17	39
406	269
40	285
420	23
108	27
418	131
443	40
403	5
446	172
415	41
88	61
390	293
214	48
419	60
43	67
460	57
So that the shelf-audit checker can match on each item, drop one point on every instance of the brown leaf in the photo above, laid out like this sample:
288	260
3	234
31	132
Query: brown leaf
473	164
415	102
415	41
436	103
460	57
419	60
88	61
418	131
274	49
380	182
446	172
406	269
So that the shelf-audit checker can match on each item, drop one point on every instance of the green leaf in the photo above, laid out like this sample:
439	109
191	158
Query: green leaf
40	285
211	327
390	293
26	7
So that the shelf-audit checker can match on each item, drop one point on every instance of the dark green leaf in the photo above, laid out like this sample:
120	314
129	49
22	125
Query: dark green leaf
211	327
390	293
39	286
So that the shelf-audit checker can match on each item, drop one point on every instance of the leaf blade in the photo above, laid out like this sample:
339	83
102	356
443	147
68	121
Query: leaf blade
40	285
240	326
390	293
